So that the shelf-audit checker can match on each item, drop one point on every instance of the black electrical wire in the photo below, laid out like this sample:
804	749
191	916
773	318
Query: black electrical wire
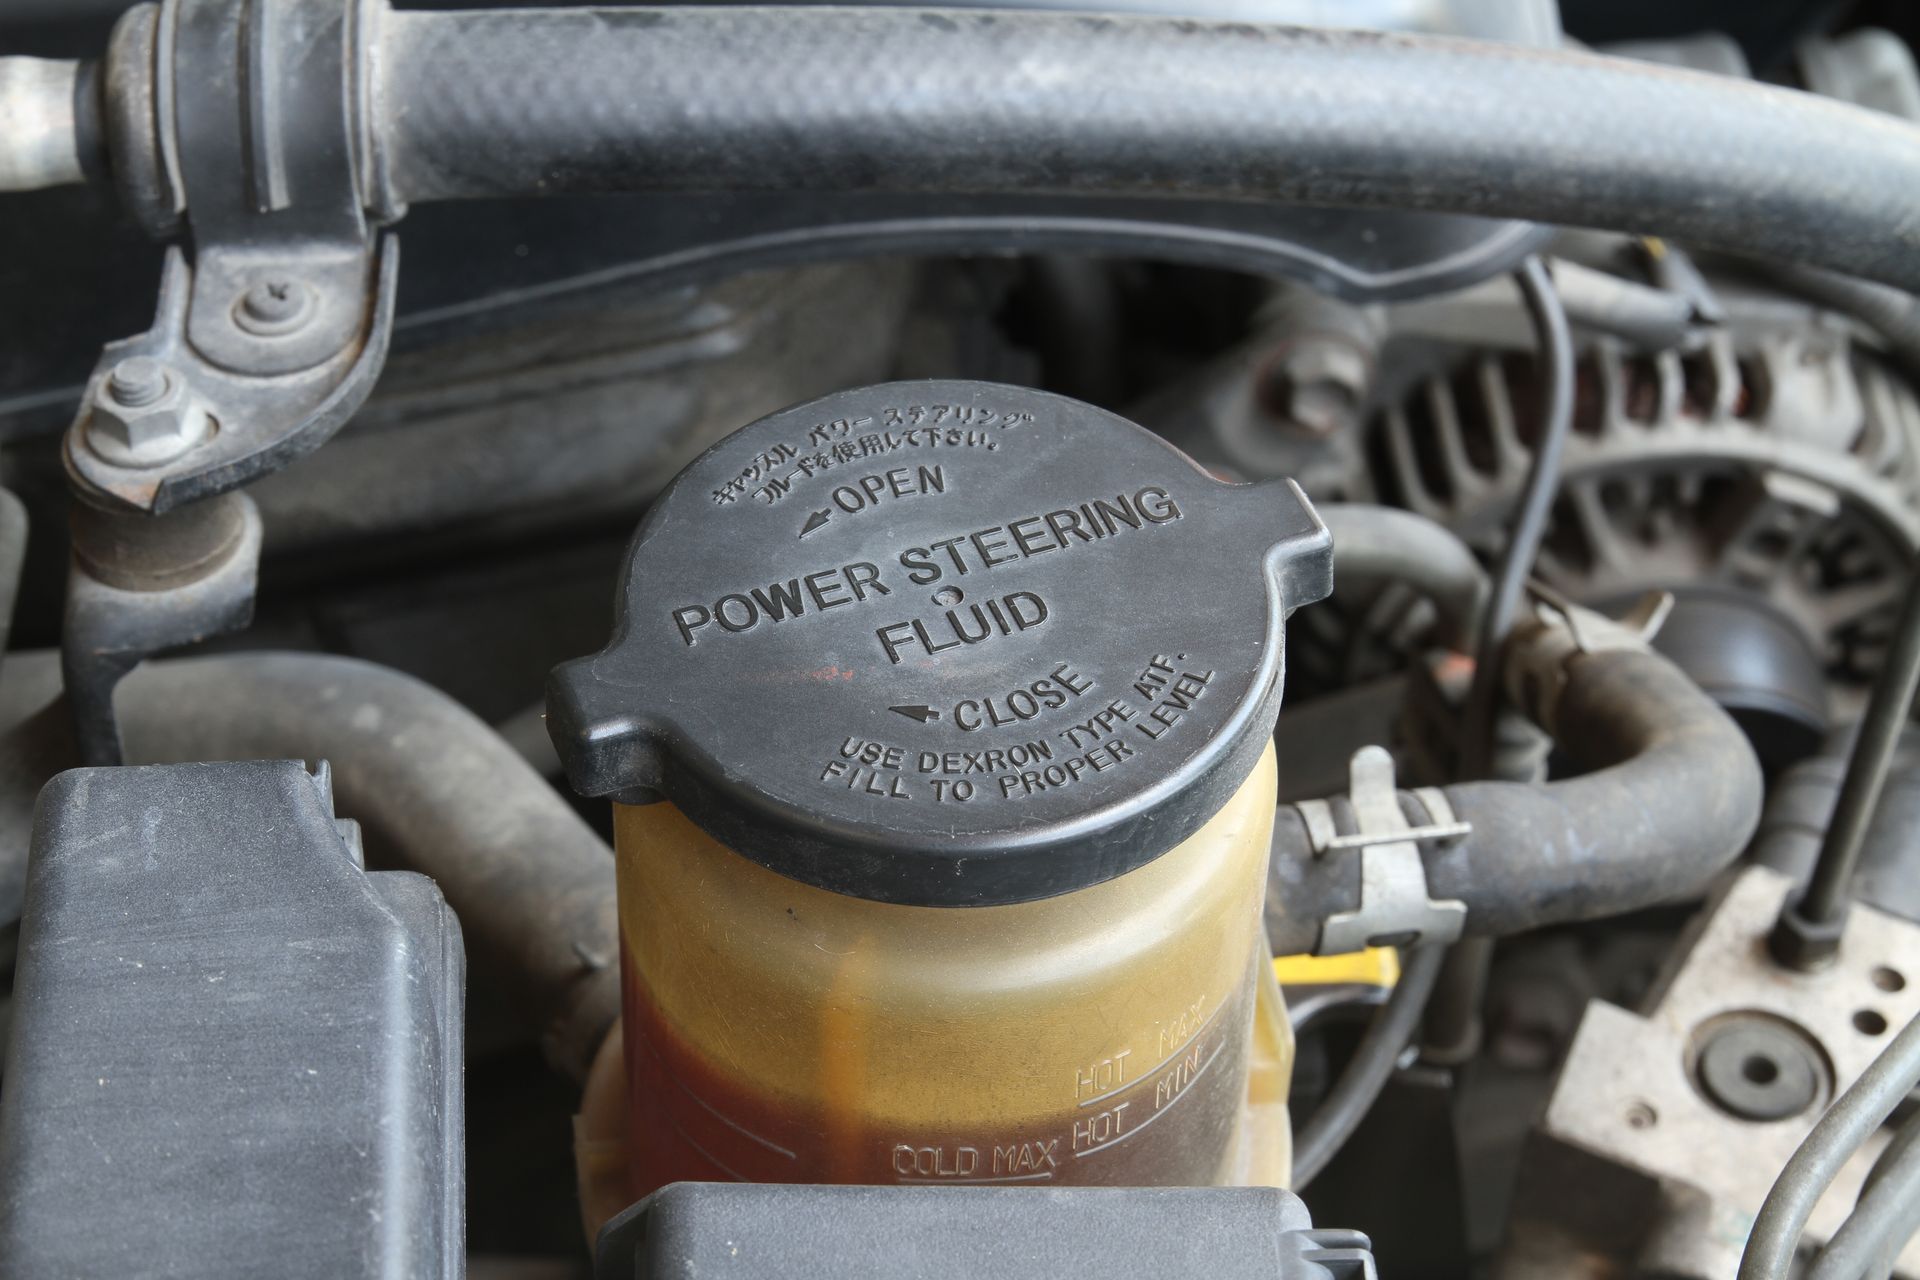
1839	1133
1555	365
1372	1066
1373	1059
1883	1219
1452	1030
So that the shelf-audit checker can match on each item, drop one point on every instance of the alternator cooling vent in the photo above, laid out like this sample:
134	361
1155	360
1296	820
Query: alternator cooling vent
1783	467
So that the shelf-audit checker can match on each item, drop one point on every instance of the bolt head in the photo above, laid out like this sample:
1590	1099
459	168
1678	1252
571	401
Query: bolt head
1319	383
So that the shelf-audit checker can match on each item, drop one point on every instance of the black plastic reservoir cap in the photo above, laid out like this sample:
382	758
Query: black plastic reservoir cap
945	643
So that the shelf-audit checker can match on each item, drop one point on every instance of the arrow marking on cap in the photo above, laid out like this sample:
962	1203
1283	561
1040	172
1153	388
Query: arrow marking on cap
922	714
816	522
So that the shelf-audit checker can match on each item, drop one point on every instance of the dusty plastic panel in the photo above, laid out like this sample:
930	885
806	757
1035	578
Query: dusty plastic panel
234	1051
746	1232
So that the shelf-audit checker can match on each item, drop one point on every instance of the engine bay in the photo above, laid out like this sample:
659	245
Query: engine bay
1239	640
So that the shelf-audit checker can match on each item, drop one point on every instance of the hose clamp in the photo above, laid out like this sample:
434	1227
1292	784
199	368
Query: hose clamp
239	122
1395	908
1559	632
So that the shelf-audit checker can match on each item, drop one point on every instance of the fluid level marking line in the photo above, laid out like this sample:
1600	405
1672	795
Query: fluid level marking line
1141	1127
951	1182
711	1158
735	1125
1148	1074
673	1078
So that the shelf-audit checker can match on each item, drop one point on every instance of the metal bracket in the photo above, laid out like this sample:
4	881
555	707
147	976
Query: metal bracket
1394	907
1593	632
275	321
272	325
116	619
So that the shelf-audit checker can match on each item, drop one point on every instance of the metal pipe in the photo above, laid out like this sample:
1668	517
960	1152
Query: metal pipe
1808	933
1885	1216
40	124
1848	1123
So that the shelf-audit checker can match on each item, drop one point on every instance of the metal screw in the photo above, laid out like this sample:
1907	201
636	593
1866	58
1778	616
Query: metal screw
138	382
275	306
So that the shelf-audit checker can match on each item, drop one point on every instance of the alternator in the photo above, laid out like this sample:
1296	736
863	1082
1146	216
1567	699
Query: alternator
1779	467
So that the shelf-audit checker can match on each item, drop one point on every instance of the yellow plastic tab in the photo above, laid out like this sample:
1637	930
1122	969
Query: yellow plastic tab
1376	967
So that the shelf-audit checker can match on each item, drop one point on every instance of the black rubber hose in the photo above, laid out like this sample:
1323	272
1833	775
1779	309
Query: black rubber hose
710	98
1385	544
1671	794
532	883
1359	1086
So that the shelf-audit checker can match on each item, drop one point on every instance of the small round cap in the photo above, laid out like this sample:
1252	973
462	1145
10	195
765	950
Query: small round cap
945	643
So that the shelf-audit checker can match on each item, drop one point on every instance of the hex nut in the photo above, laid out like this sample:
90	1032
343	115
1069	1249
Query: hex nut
144	415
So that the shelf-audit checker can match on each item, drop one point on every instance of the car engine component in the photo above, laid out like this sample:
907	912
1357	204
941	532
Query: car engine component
1664	1164
234	1044
881	1231
1244	614
960	817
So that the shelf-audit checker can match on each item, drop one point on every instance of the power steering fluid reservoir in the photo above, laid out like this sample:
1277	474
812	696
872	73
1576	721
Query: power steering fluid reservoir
938	719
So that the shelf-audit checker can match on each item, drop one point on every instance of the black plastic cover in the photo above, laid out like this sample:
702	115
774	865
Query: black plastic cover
945	643
234	1052
733	1231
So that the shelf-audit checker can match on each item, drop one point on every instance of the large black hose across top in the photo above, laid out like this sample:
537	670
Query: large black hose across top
721	97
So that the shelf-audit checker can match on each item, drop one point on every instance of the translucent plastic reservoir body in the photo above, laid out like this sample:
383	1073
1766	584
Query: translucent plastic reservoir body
776	1032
